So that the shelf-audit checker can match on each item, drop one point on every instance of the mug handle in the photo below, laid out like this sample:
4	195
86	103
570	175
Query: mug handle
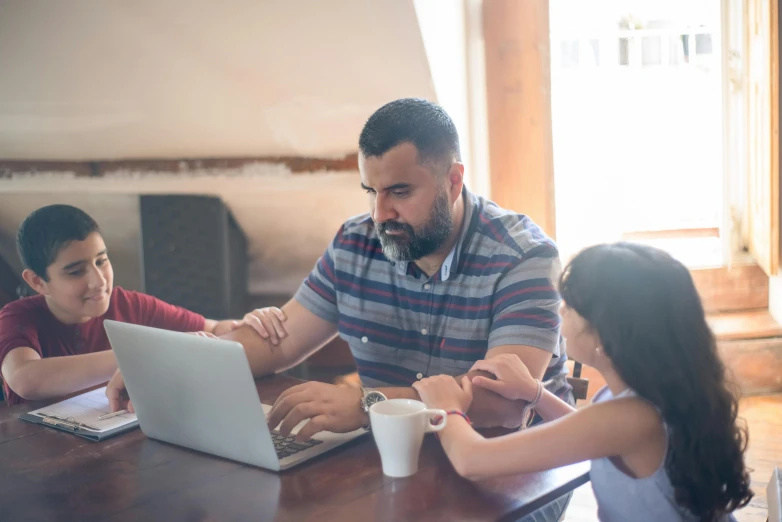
434	413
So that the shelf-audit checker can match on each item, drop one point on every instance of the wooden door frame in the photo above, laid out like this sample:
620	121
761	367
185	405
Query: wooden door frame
518	98
774	94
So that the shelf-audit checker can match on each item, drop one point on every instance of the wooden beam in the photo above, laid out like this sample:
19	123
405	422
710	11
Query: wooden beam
97	169
12	168
762	99
296	164
518	84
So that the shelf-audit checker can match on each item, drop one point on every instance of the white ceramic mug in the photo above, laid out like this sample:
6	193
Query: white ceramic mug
398	426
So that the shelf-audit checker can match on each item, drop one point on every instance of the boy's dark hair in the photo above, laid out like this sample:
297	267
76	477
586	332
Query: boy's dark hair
47	230
420	122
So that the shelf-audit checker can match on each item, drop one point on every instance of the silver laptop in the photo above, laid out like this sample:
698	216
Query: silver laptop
199	393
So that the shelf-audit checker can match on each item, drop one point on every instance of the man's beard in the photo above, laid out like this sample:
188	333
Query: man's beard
414	244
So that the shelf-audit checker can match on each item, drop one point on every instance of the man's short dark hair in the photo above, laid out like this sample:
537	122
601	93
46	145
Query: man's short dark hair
47	230
411	120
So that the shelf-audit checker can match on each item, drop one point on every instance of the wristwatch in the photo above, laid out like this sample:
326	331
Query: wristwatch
370	397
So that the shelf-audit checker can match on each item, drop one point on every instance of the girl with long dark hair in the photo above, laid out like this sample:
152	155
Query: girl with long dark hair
662	435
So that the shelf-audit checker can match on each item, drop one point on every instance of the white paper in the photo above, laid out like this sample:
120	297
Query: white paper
85	409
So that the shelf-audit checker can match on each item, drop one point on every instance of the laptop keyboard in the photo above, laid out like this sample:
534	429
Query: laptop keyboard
287	446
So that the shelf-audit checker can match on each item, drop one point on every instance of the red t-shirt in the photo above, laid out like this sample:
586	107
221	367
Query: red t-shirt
28	322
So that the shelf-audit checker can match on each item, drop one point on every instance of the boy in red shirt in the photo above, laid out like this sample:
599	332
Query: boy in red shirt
54	344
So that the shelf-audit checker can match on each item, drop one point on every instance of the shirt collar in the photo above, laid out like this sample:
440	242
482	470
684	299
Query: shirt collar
451	261
445	270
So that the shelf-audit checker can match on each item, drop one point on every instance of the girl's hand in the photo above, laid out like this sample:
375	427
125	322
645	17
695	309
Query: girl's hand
513	380
443	392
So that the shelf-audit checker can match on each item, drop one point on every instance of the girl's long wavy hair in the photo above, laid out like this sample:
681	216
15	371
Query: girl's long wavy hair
644	307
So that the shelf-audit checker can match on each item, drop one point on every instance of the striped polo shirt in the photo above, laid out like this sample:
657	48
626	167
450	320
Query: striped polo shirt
495	288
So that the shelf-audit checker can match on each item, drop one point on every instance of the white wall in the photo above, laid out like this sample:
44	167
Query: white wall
444	35
452	32
111	79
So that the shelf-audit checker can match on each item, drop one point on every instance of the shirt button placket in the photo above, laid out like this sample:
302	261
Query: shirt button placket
427	287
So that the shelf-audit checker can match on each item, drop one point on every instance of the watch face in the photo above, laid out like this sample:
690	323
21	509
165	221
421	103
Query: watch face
373	397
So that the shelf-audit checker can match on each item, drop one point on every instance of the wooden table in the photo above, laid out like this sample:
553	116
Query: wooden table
46	474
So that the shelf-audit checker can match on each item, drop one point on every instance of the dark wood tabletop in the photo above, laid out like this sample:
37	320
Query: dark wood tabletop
46	474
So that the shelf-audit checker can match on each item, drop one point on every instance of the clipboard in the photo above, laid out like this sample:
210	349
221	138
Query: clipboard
81	415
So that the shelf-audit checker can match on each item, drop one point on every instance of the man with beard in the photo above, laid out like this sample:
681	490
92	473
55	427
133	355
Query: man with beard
431	280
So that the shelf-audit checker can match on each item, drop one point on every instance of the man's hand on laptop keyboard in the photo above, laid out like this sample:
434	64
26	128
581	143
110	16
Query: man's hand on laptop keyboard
328	408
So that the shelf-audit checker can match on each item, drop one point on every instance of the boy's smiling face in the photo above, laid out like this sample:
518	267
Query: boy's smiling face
80	281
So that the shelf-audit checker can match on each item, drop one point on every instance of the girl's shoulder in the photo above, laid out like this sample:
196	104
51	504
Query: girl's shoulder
626	408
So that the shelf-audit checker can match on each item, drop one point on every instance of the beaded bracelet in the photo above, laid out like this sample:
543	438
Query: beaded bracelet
461	414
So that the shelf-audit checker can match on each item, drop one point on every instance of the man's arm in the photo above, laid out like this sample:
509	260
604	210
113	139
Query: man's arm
34	378
489	409
268	322
525	322
333	408
219	328
307	333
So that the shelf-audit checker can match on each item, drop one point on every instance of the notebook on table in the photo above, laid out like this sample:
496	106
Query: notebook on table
81	415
